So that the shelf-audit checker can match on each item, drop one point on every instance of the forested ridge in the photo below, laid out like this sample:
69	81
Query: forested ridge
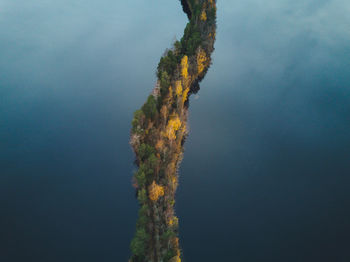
159	129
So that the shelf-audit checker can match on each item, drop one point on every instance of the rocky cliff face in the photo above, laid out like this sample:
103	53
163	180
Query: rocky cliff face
159	131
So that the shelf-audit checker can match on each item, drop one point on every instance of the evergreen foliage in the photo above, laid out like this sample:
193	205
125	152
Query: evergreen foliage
145	151
191	39
138	246
150	107
138	115
168	63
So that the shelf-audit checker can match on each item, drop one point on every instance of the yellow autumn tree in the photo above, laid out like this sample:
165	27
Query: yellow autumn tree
204	16
173	221
201	60
170	92
184	95
155	191
174	124
173	181
184	66
178	88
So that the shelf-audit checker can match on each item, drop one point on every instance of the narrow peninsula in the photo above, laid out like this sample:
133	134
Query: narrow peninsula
159	130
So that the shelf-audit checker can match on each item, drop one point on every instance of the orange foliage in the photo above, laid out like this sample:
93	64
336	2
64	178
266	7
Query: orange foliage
160	145
164	112
175	242
155	191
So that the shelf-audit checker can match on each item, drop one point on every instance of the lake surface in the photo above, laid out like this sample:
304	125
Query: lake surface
266	172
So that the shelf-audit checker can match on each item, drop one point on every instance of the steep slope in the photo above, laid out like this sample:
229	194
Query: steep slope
159	131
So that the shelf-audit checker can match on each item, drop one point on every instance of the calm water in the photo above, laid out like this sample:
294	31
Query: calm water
266	169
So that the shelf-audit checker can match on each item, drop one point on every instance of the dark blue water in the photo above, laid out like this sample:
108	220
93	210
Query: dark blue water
266	169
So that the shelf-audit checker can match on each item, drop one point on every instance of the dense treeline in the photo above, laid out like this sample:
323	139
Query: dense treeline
158	133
